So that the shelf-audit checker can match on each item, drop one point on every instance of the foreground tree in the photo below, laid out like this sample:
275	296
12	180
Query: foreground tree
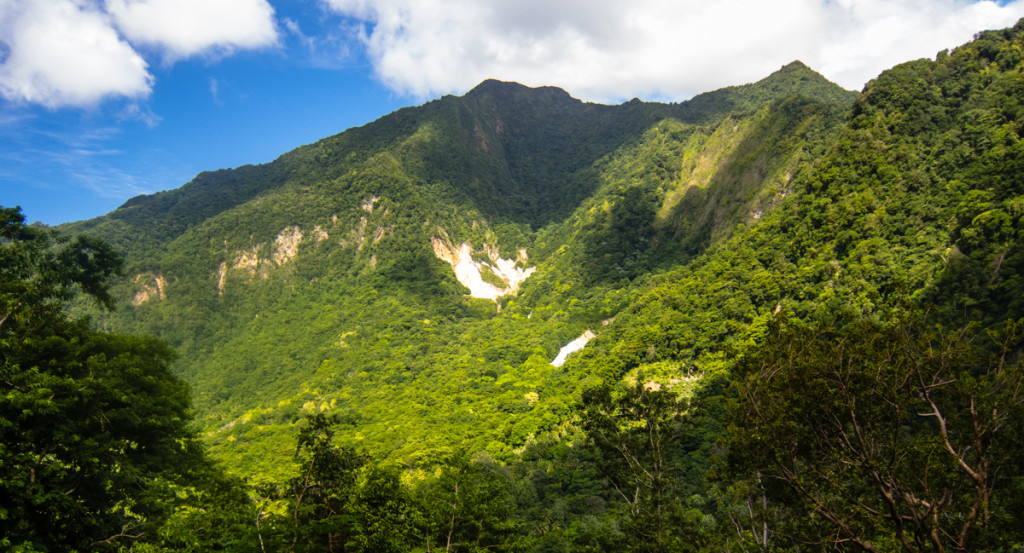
644	436
885	437
470	508
316	506
93	426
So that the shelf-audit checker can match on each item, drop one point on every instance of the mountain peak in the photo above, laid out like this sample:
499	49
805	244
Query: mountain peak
507	89
797	69
794	78
801	79
796	65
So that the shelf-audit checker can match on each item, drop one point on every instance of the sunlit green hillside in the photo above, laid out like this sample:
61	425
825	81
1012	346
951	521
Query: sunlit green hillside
316	282
777	317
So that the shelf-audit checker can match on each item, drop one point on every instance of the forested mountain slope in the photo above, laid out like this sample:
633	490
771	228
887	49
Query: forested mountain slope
325	279
803	311
917	200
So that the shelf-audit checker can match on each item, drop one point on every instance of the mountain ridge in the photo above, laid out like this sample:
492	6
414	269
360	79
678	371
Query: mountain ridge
213	191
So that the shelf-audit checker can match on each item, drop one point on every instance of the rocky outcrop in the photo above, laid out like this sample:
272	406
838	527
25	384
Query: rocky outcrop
572	347
152	285
486	279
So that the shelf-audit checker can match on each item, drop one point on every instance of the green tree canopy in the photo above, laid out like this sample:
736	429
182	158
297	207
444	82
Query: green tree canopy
89	421
885	436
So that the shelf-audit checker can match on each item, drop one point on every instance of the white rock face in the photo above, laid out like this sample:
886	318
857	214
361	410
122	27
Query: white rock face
572	347
153	286
469	272
287	245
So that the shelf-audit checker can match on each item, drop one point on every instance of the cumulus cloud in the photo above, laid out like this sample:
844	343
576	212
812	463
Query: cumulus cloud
79	52
869	36
608	50
62	52
184	28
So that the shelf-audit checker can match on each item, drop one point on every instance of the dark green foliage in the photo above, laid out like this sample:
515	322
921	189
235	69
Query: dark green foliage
654	447
794	78
638	435
616	244
42	270
885	436
87	420
320	509
470	507
93	426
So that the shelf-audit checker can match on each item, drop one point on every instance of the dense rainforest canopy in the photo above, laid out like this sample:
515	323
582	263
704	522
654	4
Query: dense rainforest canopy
797	314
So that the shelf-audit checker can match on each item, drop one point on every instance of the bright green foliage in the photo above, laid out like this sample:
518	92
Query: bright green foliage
890	212
317	288
365	321
318	505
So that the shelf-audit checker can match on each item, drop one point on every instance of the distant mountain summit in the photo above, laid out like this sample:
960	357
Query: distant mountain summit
505	91
794	78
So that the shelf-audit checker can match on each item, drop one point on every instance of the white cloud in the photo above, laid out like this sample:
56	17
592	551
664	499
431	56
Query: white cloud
873	35
609	50
70	52
61	52
185	28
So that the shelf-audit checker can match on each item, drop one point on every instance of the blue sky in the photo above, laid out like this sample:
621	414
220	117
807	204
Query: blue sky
102	100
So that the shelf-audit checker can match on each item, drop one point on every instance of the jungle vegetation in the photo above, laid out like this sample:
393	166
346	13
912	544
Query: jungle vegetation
807	307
